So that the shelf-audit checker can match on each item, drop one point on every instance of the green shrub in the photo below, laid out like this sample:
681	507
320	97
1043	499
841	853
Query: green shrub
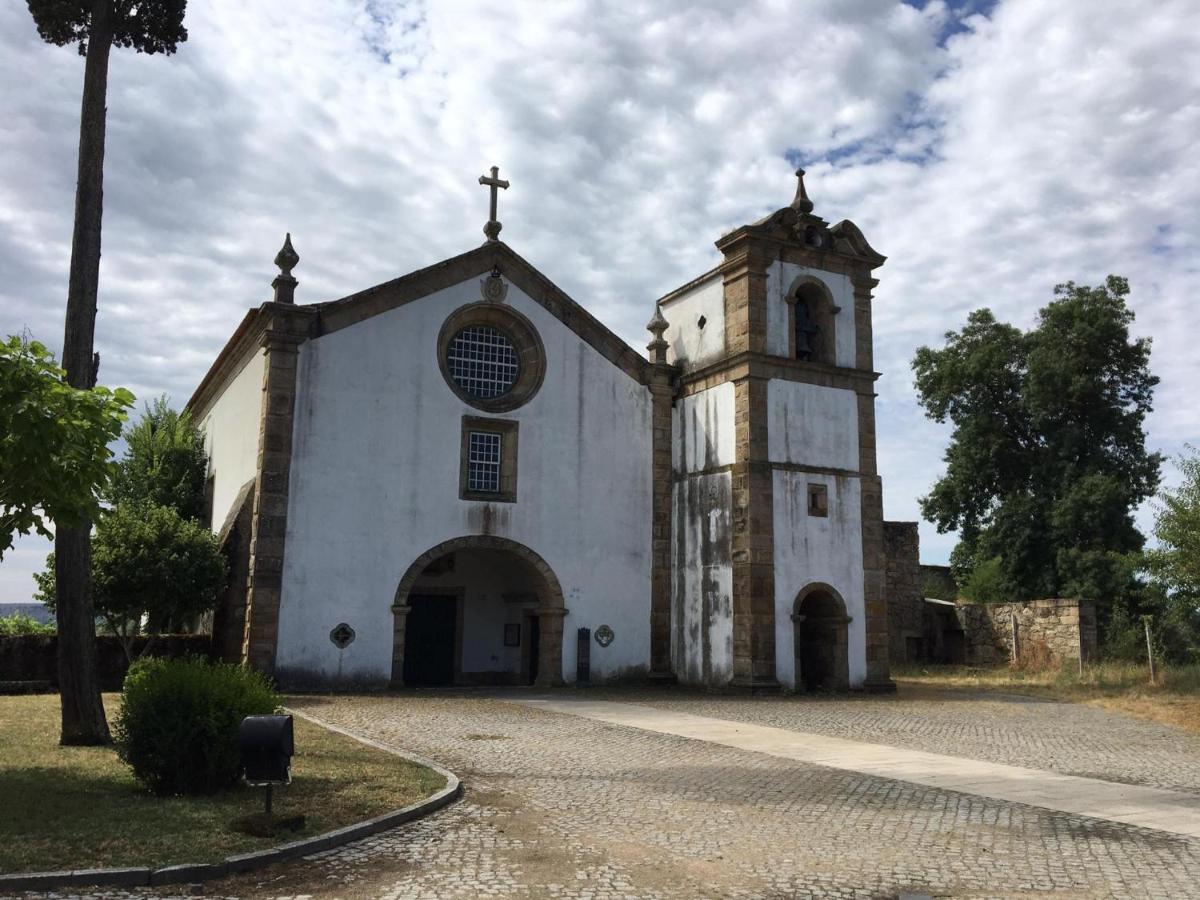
19	623
178	724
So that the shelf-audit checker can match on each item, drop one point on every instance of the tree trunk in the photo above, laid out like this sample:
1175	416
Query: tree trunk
83	720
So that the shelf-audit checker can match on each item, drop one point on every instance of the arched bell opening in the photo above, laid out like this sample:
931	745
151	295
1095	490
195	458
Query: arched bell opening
821	640
812	313
477	610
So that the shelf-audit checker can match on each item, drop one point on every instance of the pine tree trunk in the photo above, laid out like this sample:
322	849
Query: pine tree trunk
83	720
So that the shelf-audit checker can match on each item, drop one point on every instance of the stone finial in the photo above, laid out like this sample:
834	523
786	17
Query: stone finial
800	201
284	284
658	346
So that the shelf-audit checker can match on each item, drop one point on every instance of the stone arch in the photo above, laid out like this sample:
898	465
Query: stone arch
814	294
820	639
551	608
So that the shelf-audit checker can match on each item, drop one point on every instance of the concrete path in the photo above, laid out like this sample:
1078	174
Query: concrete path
1170	811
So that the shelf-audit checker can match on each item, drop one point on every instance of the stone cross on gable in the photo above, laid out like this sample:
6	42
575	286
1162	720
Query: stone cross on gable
492	228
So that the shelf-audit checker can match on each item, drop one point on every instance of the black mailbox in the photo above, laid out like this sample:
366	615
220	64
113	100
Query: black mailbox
267	746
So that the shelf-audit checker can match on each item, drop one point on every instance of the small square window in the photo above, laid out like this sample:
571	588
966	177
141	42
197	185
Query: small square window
818	500
483	461
489	460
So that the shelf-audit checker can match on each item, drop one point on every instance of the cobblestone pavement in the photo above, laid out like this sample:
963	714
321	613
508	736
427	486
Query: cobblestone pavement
561	807
1068	738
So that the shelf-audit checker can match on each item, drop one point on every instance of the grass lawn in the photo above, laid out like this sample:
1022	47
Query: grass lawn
1122	687
80	807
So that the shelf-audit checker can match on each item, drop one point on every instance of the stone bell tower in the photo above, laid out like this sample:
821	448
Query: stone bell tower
781	506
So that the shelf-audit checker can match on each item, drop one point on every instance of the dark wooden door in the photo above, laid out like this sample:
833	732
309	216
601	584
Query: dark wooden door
429	635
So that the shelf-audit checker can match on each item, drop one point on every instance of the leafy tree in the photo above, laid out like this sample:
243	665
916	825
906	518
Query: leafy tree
54	457
149	564
1176	562
164	463
149	26
1048	459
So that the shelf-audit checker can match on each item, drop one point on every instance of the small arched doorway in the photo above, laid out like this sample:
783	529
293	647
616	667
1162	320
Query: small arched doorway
477	610
820	637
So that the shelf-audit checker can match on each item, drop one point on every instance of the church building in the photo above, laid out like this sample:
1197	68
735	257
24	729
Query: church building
462	477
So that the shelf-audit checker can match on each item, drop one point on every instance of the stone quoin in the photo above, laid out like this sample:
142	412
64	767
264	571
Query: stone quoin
711	513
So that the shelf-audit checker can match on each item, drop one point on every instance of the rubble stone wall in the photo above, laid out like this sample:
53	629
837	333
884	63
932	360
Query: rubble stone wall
902	585
1053	630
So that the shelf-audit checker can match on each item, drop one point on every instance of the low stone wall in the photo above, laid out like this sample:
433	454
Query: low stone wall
1046	630
28	658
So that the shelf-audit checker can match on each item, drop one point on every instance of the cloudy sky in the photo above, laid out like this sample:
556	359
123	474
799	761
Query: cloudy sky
989	149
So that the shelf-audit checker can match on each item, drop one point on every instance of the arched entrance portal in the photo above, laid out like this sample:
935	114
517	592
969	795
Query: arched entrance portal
478	610
820	635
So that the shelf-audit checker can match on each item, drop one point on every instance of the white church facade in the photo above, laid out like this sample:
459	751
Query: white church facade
462	477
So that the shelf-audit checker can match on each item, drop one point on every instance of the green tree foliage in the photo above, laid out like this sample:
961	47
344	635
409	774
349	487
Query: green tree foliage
19	623
54	456
149	26
150	567
164	463
1047	459
1176	562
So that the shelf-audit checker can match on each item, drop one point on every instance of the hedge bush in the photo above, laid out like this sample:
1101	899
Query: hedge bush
178	724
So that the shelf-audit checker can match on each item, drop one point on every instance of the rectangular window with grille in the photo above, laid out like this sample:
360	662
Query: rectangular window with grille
483	461
489	460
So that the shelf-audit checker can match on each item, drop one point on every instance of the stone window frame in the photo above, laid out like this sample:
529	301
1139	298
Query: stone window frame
531	353
508	430
824	315
818	499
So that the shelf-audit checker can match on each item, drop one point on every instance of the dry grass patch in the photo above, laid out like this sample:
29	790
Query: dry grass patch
80	807
1121	687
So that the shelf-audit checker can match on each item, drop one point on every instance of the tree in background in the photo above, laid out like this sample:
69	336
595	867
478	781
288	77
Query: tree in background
54	459
149	26
1048	457
148	564
1175	564
164	463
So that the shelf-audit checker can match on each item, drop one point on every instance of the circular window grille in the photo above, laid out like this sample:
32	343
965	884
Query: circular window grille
483	361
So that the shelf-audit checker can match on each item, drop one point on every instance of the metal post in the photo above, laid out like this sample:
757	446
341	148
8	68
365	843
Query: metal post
1016	639
1149	647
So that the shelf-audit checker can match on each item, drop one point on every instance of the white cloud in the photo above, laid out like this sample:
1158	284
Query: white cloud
1041	143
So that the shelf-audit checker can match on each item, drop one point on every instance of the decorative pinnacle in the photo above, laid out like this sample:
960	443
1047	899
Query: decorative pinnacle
657	324
284	283
657	347
801	201
287	258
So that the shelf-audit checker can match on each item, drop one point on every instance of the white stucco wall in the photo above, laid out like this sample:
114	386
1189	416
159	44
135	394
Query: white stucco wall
818	549
375	483
231	436
812	425
780	277
702	579
704	430
691	346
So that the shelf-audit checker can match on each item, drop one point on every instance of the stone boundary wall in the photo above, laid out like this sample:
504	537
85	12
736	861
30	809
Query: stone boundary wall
1055	630
34	657
902	587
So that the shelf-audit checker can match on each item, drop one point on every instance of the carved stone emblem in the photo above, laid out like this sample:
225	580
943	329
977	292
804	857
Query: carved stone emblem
493	287
342	635
604	636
